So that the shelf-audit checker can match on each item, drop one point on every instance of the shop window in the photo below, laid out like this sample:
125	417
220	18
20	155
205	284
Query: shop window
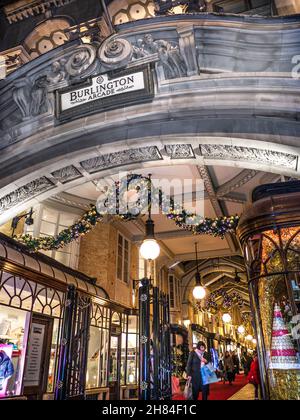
123	255
98	348
14	326
49	222
132	351
53	356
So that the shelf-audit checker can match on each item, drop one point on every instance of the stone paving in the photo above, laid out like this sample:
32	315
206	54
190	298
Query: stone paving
246	393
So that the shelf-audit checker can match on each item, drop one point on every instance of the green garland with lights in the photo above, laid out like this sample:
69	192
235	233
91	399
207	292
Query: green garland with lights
217	227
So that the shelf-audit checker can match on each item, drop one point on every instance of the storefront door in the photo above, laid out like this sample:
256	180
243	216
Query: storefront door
114	367
38	356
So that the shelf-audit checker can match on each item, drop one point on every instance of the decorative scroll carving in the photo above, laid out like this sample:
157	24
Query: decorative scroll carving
32	99
269	157
180	151
67	174
80	64
170	58
115	53
126	157
81	61
28	191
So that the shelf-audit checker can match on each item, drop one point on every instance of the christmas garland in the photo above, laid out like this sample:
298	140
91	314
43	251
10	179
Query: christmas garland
115	202
228	300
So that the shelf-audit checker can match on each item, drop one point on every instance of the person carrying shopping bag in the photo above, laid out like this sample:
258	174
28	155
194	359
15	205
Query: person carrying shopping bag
197	359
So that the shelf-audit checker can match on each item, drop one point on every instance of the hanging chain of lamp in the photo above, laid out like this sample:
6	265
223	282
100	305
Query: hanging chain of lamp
199	291
150	248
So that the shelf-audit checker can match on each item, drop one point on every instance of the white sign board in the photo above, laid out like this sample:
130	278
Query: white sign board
34	357
102	87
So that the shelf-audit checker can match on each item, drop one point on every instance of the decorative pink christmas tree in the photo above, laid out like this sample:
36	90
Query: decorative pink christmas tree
283	353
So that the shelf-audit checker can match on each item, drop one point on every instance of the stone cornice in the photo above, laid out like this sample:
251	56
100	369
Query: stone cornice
24	9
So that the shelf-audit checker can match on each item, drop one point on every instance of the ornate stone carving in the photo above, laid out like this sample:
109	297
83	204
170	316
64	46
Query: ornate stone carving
126	157
81	61
32	98
25	193
79	64
188	48
115	53
170	58
269	157
180	151
67	174
23	9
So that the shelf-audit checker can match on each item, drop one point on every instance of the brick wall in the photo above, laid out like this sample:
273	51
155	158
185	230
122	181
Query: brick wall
98	259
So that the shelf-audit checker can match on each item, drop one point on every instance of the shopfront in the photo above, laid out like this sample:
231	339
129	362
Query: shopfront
270	236
199	334
33	291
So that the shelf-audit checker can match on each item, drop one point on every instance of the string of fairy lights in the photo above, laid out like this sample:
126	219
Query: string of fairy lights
128	200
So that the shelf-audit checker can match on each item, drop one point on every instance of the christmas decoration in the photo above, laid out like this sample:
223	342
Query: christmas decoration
129	199
283	354
228	300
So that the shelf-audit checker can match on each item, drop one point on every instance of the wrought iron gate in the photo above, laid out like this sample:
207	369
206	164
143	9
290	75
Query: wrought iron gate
155	347
73	352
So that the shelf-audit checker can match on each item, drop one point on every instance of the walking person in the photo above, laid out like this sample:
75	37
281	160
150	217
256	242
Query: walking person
254	375
229	367
198	358
236	362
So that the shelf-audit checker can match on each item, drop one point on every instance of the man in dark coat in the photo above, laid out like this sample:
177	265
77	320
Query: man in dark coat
198	357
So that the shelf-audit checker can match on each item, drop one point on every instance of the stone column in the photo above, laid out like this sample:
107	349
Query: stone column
287	7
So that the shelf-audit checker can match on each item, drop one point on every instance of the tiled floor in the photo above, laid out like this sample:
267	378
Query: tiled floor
246	393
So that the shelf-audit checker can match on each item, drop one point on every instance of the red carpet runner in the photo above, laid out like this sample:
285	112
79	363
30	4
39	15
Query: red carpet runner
220	391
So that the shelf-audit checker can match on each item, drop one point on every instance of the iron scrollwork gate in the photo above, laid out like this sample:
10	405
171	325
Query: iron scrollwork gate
71	376
155	346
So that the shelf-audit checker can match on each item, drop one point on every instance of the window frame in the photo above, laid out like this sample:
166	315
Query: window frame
124	239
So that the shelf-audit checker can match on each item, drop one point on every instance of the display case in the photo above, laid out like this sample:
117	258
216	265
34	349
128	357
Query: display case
269	233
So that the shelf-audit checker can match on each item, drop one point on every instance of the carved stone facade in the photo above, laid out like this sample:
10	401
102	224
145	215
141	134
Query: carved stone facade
268	157
67	174
126	157
180	151
24	9
32	98
27	192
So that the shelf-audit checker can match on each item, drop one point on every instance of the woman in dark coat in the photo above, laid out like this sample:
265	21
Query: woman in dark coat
197	358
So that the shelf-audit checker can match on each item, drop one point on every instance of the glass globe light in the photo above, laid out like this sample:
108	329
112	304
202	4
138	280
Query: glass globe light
199	292
254	341
150	249
241	329
249	337
226	318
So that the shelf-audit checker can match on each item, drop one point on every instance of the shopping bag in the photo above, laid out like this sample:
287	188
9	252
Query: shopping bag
208	376
175	385
188	392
